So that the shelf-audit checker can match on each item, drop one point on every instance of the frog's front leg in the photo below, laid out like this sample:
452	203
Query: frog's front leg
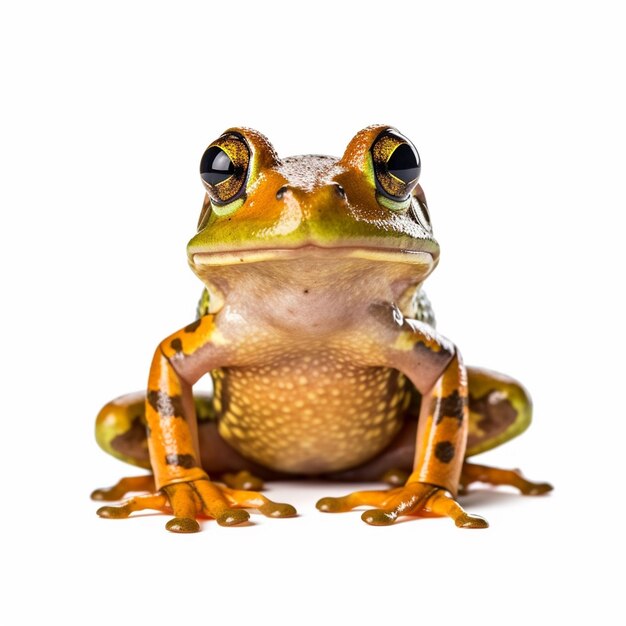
183	487
436	369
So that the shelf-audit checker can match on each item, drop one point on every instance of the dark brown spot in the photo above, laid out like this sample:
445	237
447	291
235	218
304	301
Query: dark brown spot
164	405
450	406
306	291
496	411
133	443
191	328
444	451
186	461
176	345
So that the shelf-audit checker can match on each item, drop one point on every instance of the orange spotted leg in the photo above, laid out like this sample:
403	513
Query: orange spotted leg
182	485
440	446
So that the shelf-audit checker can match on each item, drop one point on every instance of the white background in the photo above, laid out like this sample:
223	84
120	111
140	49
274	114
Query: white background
517	110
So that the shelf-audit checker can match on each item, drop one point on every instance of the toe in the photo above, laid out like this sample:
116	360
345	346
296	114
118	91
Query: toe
378	517
232	517
395	477
277	509
468	520
182	525
243	480
112	512
102	495
537	489
329	505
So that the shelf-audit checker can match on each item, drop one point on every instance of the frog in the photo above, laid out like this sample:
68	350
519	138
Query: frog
322	350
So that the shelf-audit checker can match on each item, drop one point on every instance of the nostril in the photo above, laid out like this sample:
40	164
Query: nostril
341	192
281	192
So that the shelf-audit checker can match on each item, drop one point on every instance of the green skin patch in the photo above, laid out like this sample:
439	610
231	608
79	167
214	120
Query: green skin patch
393	205
226	209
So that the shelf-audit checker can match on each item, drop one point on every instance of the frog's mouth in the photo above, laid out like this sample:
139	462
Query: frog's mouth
332	273
425	259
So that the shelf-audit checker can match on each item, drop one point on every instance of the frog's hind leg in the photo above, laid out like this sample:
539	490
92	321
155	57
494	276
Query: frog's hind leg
121	431
500	409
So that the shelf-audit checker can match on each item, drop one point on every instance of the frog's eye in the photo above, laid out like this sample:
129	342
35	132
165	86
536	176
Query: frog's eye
396	165
216	166
224	168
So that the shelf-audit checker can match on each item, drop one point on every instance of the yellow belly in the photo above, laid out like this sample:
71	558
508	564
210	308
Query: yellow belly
310	414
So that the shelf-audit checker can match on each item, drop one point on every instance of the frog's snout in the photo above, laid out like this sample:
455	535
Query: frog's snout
313	204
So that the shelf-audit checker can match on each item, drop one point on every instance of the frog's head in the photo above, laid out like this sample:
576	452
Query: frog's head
366	206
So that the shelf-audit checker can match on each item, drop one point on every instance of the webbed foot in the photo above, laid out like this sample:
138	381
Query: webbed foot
414	499
200	498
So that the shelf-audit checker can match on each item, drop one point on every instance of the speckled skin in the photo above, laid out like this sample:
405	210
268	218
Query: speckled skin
321	347
285	428
316	356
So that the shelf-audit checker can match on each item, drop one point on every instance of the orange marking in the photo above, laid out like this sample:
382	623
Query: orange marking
170	412
189	339
440	447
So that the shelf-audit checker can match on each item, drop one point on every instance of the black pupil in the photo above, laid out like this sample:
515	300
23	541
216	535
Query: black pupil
216	166
404	163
